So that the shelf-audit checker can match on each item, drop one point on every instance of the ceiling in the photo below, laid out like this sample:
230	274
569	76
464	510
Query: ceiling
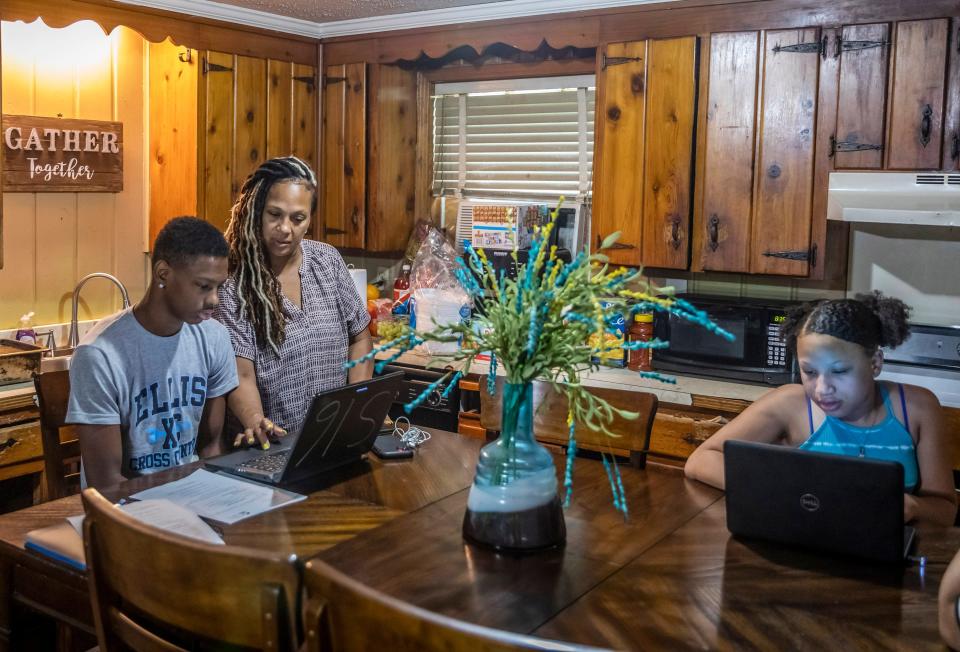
325	11
329	18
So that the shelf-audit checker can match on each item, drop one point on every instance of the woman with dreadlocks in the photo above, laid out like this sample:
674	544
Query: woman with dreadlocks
840	407
293	313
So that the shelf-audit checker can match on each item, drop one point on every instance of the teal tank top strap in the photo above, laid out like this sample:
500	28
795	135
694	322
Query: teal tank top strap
885	395
889	440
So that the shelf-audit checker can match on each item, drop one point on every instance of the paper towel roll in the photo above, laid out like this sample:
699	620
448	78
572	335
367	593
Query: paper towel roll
359	277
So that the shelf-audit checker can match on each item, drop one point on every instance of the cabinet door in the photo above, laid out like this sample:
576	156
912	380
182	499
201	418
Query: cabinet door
784	163
918	72
861	102
619	155
668	152
344	155
642	178
217	99
251	109
393	158
729	142
951	131
303	109
279	113
250	123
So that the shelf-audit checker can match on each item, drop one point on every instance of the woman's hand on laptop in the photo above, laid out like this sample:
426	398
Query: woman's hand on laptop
261	432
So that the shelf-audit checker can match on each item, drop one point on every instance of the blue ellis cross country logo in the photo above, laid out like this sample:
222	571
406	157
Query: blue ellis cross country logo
160	420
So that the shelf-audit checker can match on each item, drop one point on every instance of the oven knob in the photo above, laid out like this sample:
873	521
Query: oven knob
433	400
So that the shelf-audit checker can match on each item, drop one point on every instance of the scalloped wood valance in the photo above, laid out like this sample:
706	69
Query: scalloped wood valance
500	51
156	26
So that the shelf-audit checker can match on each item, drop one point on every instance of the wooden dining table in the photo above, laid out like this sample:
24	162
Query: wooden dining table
669	576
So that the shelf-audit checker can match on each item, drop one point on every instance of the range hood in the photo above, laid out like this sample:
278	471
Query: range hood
922	198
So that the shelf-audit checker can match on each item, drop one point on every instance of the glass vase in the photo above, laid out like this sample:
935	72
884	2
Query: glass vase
513	503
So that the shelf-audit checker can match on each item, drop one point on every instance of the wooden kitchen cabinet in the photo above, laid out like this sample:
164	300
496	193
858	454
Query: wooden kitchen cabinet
758	153
344	155
951	131
784	180
679	430
917	94
643	161
864	53
251	109
893	109
392	158
727	152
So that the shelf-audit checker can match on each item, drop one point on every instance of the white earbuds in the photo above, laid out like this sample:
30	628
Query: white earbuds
411	436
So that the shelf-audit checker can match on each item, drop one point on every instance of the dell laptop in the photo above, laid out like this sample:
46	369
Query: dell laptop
846	505
340	427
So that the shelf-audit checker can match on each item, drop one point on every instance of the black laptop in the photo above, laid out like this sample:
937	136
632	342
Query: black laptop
340	427
846	505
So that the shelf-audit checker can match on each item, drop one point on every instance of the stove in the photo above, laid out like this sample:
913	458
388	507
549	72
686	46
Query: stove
929	358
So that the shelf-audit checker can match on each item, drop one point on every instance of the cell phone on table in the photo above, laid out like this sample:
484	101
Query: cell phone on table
388	447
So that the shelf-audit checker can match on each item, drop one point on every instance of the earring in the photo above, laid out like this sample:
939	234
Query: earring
161	285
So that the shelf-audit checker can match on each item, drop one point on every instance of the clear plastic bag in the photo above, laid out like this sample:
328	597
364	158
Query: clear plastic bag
434	266
438	296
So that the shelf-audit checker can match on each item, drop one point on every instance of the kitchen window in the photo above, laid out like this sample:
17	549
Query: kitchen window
520	138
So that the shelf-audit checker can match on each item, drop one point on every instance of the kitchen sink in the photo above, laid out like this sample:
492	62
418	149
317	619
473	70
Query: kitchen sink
59	361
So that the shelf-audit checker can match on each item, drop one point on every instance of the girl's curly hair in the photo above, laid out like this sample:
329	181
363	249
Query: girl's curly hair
869	320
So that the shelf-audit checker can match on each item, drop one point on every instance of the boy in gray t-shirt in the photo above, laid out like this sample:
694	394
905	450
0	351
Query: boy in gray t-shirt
147	385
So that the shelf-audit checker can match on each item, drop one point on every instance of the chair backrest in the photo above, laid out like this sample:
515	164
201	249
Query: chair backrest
343	614
53	395
550	419
152	590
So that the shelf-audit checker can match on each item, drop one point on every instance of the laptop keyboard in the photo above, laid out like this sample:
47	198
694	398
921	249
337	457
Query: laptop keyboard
272	463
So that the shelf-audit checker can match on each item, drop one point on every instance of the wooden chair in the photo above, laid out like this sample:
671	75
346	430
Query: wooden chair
61	459
550	419
343	614
155	591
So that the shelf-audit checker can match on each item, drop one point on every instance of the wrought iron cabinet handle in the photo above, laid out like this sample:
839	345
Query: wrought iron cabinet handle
675	231
713	232
926	125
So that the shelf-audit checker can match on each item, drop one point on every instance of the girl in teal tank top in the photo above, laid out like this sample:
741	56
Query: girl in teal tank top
838	346
888	440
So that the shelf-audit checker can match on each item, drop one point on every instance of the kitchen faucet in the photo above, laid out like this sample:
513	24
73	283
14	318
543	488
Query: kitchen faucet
74	338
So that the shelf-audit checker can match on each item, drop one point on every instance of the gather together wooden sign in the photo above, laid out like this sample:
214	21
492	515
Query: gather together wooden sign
61	155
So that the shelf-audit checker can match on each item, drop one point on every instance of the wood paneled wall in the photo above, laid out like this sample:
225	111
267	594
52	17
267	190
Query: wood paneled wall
53	239
173	134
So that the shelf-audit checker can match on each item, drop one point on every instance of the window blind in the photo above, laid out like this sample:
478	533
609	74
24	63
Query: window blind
528	138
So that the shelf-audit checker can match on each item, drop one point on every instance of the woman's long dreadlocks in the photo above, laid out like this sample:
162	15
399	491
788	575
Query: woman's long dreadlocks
258	290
